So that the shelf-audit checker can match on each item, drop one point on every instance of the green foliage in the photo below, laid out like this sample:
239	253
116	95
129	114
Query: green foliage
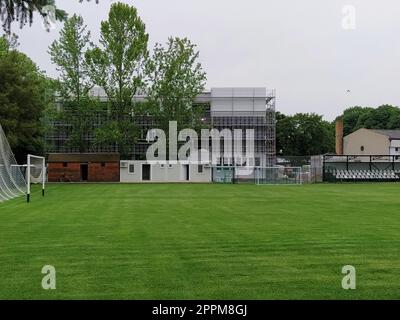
117	66
78	109
68	54
24	94
304	134
22	11
50	114
80	116
350	118
383	117
176	78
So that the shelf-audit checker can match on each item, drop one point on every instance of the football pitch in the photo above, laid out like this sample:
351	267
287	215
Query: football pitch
115	241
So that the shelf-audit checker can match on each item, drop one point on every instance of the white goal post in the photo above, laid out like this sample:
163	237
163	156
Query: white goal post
278	175
35	174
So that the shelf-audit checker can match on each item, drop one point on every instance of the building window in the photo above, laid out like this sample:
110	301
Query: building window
362	148
131	168
65	164
257	162
397	149
200	168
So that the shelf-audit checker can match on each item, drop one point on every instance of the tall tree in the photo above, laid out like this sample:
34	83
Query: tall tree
68	54
117	66
380	118
24	93
78	109
304	134
351	118
176	78
383	117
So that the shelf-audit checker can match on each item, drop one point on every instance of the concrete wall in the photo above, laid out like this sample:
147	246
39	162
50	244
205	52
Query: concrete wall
163	172
373	143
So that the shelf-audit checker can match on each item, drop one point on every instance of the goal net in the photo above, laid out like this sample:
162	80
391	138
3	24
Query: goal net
35	173
278	175
12	182
257	175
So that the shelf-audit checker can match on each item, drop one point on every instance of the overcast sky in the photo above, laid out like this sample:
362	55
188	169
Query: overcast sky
298	47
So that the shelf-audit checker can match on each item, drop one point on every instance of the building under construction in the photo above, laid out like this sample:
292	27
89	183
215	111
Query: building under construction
224	108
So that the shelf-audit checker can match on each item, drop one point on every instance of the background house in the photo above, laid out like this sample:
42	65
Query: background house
372	142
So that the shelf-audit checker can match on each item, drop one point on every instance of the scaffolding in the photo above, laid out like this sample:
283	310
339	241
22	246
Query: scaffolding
249	112
244	112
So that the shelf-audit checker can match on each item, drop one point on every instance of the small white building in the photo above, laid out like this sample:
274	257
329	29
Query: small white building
132	171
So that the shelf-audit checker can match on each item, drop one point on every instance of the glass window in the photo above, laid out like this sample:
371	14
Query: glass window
131	168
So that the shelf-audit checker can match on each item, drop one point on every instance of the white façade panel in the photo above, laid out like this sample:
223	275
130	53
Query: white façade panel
238	100
395	143
221	105
222	92
260	104
243	104
250	92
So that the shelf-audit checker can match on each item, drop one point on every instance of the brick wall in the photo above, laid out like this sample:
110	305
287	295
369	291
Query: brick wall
72	172
108	173
58	173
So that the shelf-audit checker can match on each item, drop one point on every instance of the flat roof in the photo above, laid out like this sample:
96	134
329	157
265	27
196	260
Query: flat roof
83	157
207	96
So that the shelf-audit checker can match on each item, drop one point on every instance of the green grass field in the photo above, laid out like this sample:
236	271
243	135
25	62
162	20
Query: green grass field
202	242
